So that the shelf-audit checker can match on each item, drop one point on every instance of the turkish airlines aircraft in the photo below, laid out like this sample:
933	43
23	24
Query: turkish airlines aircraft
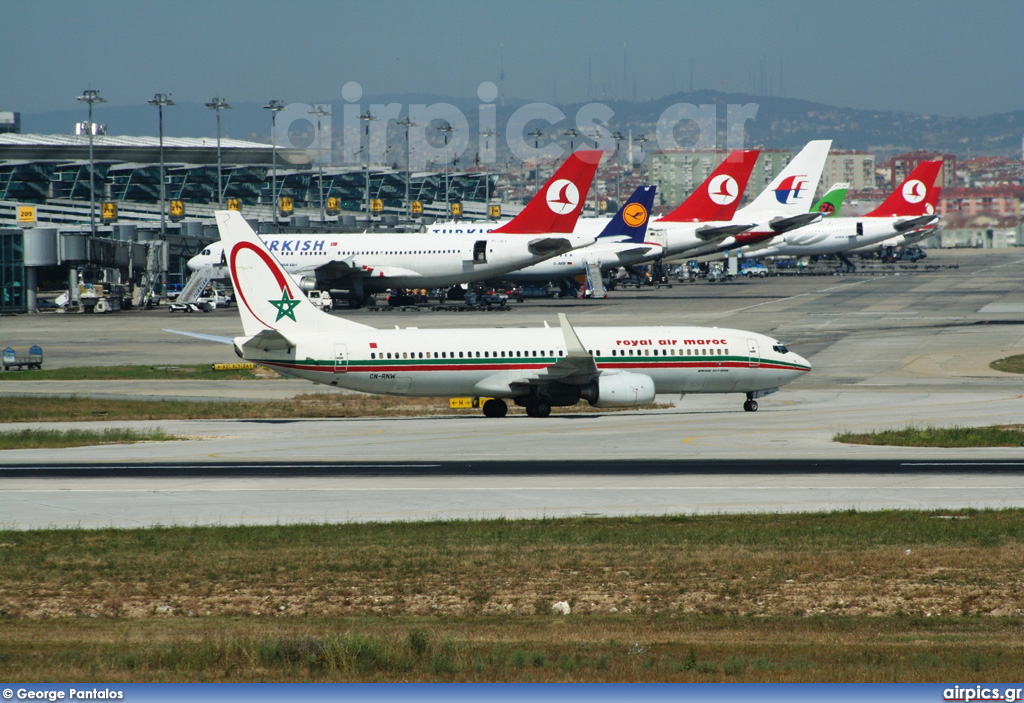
374	262
535	368
910	207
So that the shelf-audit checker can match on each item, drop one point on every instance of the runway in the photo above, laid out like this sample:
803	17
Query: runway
907	347
100	496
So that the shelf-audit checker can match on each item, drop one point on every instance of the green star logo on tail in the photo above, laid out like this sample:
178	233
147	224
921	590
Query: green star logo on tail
285	306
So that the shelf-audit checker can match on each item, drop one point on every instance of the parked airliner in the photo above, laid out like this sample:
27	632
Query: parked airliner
369	263
536	368
910	207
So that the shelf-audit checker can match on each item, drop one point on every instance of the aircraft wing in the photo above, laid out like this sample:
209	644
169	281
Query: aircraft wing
709	233
342	269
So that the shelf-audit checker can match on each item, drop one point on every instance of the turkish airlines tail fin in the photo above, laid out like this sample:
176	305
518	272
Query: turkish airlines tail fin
917	195
557	206
716	199
632	218
792	191
270	301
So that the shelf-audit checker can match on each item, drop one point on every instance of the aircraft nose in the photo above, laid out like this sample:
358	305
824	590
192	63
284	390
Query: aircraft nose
195	262
802	362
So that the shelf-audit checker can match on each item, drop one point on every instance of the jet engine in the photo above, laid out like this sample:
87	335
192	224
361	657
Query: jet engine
307	283
619	390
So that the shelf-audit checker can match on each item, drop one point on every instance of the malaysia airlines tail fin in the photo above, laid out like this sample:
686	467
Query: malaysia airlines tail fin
557	206
271	303
632	218
832	201
916	196
716	199
792	191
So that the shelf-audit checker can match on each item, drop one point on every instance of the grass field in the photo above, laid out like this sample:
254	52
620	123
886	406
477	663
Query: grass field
888	596
992	436
1009	364
35	439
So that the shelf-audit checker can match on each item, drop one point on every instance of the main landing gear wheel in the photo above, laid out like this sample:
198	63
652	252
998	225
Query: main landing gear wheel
750	406
538	409
495	407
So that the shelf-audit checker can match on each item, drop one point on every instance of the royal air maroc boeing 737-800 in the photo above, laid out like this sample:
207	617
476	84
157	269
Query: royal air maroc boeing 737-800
536	368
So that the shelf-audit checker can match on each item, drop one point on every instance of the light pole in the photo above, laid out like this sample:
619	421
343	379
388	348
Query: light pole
572	133
368	117
407	123
596	136
536	134
275	106
91	96
219	104
487	134
641	140
320	112
446	129
161	99
619	137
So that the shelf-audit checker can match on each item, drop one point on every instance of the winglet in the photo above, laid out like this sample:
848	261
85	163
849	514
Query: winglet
573	346
557	206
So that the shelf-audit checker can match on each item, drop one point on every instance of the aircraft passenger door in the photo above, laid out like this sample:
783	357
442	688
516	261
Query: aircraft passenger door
753	353
480	252
340	358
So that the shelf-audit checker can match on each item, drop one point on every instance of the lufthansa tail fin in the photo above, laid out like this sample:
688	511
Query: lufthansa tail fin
269	299
717	198
632	218
917	195
557	206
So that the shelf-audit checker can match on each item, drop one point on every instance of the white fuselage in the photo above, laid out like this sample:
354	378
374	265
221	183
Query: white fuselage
602	254
830	236
383	261
483	362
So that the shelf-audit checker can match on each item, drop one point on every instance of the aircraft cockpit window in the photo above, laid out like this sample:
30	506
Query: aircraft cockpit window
780	348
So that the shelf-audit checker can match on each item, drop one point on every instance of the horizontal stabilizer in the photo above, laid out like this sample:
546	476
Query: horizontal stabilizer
267	341
784	224
914	223
208	337
550	246
709	233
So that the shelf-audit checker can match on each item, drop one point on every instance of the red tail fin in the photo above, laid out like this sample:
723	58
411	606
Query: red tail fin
557	206
917	195
717	198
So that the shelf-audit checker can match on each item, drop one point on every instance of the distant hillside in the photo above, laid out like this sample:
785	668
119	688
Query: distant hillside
781	123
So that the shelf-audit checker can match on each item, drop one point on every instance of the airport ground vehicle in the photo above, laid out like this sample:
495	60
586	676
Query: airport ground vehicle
750	269
321	299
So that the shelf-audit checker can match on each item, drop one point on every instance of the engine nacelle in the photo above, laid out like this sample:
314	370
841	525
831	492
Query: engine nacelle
308	283
619	390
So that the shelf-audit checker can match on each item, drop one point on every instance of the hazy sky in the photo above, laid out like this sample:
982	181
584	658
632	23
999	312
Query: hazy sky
945	57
